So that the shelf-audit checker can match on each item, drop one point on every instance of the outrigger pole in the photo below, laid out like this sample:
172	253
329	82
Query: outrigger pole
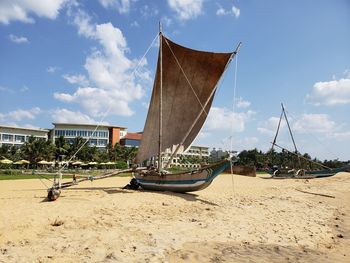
54	192
300	156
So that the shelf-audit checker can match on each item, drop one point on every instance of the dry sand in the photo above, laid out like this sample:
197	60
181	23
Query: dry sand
244	220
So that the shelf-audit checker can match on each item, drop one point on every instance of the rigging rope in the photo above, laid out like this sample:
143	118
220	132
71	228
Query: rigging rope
233	112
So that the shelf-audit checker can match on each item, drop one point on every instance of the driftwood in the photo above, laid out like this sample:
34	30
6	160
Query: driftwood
330	196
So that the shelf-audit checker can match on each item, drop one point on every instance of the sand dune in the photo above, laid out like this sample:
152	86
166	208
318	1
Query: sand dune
245	220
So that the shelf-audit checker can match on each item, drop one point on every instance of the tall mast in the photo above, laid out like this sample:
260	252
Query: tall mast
160	100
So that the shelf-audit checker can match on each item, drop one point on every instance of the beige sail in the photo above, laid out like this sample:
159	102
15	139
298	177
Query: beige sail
189	80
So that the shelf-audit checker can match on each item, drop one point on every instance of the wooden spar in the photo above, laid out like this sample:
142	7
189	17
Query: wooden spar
93	178
278	128
160	100
300	156
203	107
291	134
54	192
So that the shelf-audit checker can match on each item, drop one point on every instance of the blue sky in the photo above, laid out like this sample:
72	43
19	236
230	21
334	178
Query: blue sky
73	61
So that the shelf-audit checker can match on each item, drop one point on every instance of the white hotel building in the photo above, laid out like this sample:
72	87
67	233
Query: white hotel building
99	138
17	136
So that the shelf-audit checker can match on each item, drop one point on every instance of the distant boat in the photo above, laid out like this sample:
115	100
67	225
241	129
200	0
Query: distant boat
300	173
184	87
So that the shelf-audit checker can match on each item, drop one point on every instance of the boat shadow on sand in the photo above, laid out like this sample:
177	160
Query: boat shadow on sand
119	190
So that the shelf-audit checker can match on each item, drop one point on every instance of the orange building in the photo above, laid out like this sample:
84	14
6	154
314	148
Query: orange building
115	134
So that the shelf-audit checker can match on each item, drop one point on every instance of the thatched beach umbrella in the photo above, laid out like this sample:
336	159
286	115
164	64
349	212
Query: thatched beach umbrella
6	161
43	162
22	162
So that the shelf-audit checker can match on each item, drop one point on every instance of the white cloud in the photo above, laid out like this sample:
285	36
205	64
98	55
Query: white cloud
347	73
83	21
245	143
203	135
67	116
52	69
97	101
2	116
122	6
17	39
234	11
76	79
24	88
223	119
20	10
314	123
341	135
145	105
240	103
5	89
20	114
166	21
147	11
269	127
330	93
64	97
221	11
186	9
135	24
110	72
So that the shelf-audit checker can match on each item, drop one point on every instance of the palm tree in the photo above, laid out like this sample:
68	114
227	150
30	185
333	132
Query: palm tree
61	148
5	151
37	149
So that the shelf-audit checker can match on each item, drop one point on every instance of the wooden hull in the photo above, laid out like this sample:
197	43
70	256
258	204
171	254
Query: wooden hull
309	174
181	182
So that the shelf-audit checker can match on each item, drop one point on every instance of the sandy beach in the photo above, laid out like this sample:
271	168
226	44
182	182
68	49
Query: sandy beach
236	219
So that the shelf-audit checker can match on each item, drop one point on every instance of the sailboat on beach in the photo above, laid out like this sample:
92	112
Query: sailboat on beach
184	87
300	172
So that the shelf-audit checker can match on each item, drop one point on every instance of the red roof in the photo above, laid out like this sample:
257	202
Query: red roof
133	136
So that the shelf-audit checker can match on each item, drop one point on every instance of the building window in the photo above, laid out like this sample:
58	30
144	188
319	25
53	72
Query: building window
7	137
93	142
19	138
102	142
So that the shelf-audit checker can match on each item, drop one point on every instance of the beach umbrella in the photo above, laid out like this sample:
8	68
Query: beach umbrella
77	163
110	163
92	163
43	162
6	161
22	162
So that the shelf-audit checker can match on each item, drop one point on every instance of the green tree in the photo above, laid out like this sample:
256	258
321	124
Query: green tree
61	147
37	149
